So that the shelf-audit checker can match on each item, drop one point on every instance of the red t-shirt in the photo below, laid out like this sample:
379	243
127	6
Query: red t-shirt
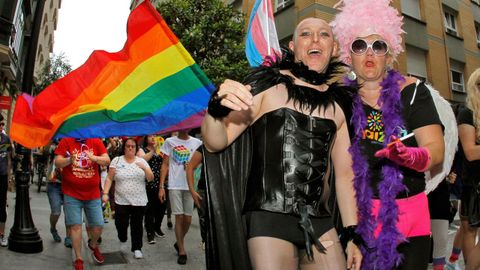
81	179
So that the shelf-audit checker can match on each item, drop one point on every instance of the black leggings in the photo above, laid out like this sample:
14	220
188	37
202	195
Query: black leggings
3	198
125	214
416	253
155	211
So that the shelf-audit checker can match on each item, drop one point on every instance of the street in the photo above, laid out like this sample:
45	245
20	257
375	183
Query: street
158	256
56	256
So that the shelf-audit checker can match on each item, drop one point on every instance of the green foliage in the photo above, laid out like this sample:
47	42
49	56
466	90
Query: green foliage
212	32
55	68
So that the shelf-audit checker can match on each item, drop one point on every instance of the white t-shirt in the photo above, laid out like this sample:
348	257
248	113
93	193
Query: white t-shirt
179	152
129	182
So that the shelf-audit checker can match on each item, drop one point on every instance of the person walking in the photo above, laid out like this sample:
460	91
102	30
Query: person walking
155	208
129	173
177	151
389	180
198	191
79	160
283	128
469	132
5	174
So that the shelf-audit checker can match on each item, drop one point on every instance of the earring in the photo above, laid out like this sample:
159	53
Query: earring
351	75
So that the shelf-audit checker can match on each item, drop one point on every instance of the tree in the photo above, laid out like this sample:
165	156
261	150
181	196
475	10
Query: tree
55	68
212	32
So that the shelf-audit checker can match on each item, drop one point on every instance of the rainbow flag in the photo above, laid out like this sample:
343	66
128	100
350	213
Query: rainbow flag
151	86
262	40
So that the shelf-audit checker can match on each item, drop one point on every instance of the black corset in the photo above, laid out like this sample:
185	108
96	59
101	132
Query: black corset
291	165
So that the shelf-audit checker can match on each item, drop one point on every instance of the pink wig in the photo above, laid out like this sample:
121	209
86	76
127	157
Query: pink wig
361	18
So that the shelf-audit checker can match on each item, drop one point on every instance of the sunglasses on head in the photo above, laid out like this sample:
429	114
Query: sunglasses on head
360	46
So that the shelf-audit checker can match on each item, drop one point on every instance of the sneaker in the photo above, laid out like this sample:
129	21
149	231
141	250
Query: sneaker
151	239
159	233
452	266
182	259
78	264
55	236
137	254
3	241
96	254
68	242
176	247
169	224
99	241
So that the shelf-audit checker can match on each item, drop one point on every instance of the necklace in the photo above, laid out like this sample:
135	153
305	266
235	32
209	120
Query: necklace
376	106
380	252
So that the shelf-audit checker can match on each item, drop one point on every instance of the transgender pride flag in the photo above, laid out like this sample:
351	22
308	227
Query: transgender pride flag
262	37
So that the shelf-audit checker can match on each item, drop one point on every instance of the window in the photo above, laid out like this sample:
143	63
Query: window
411	8
477	31
416	62
16	39
456	71
450	22
280	4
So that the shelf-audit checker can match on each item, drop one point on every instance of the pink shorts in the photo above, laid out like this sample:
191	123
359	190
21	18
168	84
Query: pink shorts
414	217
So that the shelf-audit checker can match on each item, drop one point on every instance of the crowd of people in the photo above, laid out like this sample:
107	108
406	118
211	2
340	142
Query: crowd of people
329	141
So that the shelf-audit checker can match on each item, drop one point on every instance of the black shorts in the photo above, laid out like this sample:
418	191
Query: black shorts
283	226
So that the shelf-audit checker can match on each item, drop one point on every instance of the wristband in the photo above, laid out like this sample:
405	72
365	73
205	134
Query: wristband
348	234
215	109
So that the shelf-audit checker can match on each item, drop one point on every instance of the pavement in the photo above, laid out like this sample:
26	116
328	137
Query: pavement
55	255
158	256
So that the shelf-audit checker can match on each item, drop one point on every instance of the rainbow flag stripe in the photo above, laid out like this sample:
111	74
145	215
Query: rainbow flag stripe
151	86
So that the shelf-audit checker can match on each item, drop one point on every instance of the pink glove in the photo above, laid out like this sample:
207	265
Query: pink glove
416	158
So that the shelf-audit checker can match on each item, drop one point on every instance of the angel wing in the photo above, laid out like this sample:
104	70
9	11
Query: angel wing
435	175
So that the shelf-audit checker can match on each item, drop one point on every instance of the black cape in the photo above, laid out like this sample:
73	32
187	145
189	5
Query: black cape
227	172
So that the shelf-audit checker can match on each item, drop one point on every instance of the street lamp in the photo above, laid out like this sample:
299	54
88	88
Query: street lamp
24	237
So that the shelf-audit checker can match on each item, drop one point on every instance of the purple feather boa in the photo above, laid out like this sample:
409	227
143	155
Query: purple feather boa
380	253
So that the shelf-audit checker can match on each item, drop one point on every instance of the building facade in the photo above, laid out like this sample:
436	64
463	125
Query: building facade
46	38
16	24
135	3
442	41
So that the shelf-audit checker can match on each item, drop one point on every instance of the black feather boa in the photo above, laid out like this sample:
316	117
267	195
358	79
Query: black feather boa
305	98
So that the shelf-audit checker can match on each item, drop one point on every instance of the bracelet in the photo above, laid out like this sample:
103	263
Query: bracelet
348	234
105	194
215	109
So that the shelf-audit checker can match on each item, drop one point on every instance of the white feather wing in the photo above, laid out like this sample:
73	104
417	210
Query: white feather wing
437	174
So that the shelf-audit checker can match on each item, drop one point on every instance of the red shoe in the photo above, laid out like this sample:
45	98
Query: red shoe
96	254
78	264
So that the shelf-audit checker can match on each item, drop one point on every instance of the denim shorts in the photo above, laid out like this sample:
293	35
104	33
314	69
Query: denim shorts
73	211
55	197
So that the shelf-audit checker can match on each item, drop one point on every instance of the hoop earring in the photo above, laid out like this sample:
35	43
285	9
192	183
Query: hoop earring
351	75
